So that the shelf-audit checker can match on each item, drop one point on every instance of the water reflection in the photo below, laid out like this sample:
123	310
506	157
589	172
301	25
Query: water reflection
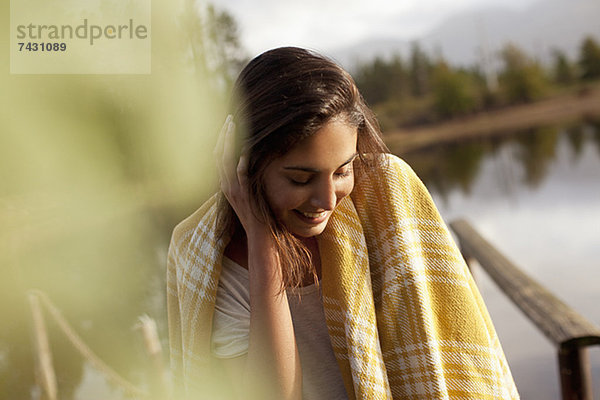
595	128
536	151
575	136
457	165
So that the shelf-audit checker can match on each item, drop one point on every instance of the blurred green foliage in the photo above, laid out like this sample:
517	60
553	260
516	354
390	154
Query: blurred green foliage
95	171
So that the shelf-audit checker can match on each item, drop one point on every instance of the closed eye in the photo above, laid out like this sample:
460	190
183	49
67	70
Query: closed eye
299	183
345	171
303	175
301	178
343	174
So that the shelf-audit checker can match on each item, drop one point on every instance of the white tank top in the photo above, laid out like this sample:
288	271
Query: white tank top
321	377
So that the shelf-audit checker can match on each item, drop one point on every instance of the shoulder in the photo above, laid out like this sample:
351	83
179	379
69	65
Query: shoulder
199	230
392	164
390	170
393	187
192	222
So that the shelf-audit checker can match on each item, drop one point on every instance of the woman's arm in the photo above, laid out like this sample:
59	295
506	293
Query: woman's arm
272	366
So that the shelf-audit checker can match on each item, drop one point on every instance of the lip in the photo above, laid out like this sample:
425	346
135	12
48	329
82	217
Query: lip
322	217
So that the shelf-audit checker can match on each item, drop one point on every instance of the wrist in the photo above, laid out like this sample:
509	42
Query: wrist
259	234
263	259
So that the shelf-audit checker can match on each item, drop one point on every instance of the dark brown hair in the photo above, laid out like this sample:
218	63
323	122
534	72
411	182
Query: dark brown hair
280	98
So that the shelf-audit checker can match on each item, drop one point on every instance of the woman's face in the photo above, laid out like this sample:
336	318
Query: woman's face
304	186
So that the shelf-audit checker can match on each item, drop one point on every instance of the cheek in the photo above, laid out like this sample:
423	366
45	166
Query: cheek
345	189
282	198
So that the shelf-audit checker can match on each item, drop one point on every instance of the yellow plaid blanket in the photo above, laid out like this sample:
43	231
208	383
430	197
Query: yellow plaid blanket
405	318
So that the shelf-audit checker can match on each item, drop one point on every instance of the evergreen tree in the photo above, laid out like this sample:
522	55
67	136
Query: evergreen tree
420	71
522	79
563	70
589	59
214	44
454	91
382	80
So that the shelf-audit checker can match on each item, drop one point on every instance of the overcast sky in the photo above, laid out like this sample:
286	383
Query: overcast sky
330	24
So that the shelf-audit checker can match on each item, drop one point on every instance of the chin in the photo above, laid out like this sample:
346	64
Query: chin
306	232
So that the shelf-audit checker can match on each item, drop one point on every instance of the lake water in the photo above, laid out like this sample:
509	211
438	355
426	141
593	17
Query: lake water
535	195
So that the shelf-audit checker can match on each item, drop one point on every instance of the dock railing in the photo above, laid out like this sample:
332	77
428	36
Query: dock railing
570	332
44	371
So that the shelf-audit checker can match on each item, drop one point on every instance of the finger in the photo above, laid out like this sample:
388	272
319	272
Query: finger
219	148
218	151
242	169
229	161
229	181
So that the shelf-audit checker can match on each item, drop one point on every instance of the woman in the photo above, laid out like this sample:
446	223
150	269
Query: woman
355	287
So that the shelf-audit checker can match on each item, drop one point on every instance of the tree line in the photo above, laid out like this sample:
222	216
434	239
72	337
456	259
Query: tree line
423	89
411	90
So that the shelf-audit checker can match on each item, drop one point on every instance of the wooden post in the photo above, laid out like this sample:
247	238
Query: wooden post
43	354
157	374
575	375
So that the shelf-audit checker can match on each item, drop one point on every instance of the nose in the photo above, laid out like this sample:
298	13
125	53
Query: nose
324	196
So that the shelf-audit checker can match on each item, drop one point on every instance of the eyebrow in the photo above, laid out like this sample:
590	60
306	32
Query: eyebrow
315	170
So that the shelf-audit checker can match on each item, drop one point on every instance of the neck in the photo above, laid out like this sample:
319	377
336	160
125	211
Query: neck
313	247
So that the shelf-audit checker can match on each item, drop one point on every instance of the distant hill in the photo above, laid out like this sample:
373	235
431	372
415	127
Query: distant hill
465	38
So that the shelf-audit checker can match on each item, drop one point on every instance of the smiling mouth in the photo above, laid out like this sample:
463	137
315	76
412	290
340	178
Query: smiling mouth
312	217
313	214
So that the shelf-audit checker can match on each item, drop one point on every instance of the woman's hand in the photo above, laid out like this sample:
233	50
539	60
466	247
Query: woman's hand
234	178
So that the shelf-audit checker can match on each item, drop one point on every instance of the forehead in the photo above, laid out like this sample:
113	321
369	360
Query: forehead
334	142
